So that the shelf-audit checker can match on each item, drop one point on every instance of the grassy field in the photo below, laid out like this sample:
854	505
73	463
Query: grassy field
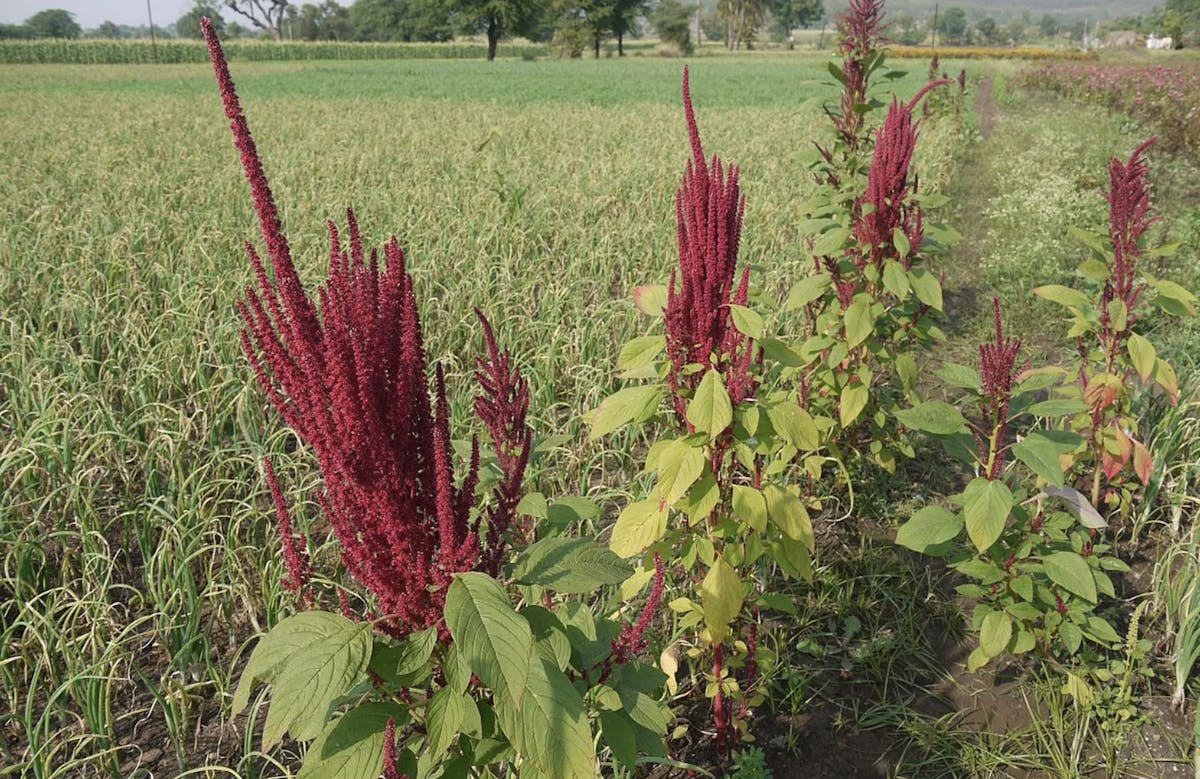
137	549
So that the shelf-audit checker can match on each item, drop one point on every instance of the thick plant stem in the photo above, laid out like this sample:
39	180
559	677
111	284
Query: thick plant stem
719	718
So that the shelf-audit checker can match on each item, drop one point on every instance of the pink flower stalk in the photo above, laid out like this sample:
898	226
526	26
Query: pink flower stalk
1129	217
861	29
998	368
884	207
390	768
699	326
352	382
295	555
632	640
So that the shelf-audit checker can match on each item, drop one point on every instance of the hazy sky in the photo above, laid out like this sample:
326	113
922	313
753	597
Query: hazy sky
89	13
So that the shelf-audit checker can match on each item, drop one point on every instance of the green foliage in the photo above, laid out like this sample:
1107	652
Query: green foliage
672	21
188	25
53	23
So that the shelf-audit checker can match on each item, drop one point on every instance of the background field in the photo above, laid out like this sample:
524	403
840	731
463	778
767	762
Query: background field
138	548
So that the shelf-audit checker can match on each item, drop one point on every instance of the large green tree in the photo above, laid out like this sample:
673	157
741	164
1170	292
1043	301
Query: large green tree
672	21
328	21
794	14
188	25
266	15
496	18
53	23
401	20
623	19
952	26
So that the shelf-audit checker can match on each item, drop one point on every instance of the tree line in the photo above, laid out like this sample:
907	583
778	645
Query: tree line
571	26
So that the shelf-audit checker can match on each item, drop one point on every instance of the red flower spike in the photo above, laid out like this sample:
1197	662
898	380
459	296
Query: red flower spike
709	208
998	368
353	384
861	29
295	555
1130	215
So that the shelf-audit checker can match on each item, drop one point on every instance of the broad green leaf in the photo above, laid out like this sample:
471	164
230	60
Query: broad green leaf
1185	301
995	633
641	352
547	724
1040	452
679	466
638	526
618	732
960	376
747	321
789	514
721	598
444	716
570	565
806	291
407	657
1070	571
308	682
906	369
795	425
1099	630
793	557
650	299
933	416
928	527
750	506
900	241
1064	296
853	400
1058	407
777	351
571	509
830	242
533	504
621	408
1078	689
710	410
701	499
927	288
1165	375
860	323
1142	354
1080	506
352	746
291	636
494	639
977	659
549	635
1118	315
1071	636
986	505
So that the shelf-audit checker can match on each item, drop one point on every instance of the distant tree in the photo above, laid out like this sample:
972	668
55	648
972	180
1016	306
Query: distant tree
266	15
986	27
188	25
233	31
53	23
711	26
108	30
908	30
952	25
1173	27
673	22
400	20
742	19
1015	31
793	14
623	18
328	21
496	18
1049	26
13	31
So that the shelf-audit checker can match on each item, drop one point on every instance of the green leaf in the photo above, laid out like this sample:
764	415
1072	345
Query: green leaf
860	323
1070	571
1058	407
986	505
793	558
961	376
641	352
1040	452
621	408
710	410
933	416
995	633
650	299
747	321
1064	296
352	746
721	598
903	247
906	369
308	681
1169	292
547	724
495	641
408	657
806	291
1100	631
927	288
795	424
570	565
701	499
638	526
289	637
853	400
928	527
571	509
1143	355
777	351
1071	636
1118	315
789	514
1080	506
618	731
750	506
533	504
549	635
830	242
444	716
679	466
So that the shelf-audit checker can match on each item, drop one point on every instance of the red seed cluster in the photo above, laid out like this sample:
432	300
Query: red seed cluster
998	368
349	375
699	325
885	206
861	30
1129	217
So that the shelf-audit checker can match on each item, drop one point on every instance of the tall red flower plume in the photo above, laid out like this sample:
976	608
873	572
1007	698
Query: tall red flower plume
349	375
998	369
1130	216
709	208
861	29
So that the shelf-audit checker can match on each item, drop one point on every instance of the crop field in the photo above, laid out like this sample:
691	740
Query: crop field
139	549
